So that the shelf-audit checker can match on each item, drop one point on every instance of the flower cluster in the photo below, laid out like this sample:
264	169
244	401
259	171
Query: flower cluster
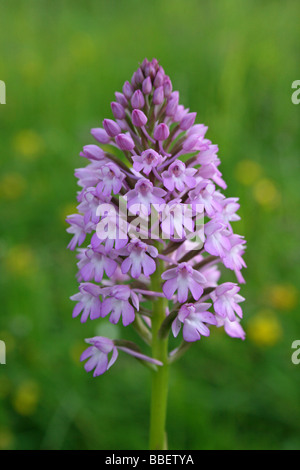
158	158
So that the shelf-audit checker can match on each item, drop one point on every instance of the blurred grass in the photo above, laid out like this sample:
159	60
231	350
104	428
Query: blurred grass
233	62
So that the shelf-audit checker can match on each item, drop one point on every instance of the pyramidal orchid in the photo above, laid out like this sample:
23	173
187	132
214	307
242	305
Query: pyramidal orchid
152	229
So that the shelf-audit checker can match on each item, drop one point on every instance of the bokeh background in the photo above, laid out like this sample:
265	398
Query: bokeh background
234	63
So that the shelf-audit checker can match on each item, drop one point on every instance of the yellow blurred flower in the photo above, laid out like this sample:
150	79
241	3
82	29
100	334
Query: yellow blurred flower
266	193
20	260
6	439
247	172
12	186
264	328
26	398
75	352
33	71
282	296
28	144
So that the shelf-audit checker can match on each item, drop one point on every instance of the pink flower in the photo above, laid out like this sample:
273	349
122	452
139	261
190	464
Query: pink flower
205	194
226	301
143	195
179	177
94	262
97	355
79	228
88	302
118	305
182	279
195	319
111	179
152	161
217	241
148	160
232	328
138	259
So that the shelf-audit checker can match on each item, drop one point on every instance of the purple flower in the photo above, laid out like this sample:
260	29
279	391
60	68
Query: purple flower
90	202
102	348
118	305
217	238
94	262
178	176
143	195
112	229
78	228
194	318
182	279
97	355
148	160
226	301
138	259
233	256
176	217
232	328
205	194
111	179
154	164
89	304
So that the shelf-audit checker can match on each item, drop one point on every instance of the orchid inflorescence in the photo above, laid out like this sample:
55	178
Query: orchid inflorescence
153	155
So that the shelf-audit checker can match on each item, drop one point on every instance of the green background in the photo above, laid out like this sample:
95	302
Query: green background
233	62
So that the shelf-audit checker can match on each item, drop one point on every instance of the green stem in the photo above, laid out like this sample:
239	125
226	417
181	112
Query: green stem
160	377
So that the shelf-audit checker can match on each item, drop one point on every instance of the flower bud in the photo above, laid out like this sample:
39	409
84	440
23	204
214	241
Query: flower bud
190	142
139	119
137	100
100	134
127	90
117	110
149	70
111	127
158	95
147	86
121	99
171	106
180	113
139	77
125	142
187	121
159	79
167	87
92	152
161	132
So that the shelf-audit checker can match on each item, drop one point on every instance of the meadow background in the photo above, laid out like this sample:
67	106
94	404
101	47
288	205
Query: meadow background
233	62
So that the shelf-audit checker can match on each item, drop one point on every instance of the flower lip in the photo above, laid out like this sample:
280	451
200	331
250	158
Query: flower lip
177	168
144	186
184	269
